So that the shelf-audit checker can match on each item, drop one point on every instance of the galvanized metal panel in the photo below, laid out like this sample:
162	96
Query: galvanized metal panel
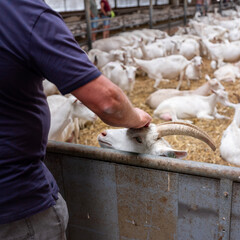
147	161
55	165
147	203
90	191
225	205
235	213
198	208
114	195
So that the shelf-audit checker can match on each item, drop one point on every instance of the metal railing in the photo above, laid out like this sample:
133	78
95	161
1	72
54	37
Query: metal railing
82	29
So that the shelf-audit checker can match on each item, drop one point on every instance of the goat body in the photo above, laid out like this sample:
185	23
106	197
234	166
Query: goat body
162	94
182	107
100	58
63	112
228	72
164	68
121	75
230	142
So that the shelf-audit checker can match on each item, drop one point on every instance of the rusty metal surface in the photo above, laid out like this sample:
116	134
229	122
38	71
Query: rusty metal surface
113	195
147	203
148	161
235	212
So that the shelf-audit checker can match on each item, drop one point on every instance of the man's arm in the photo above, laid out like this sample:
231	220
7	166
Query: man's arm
111	105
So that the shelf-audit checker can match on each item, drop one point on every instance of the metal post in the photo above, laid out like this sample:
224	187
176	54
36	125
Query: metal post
169	21
115	3
65	5
185	13
138	1
88	21
220	7
150	14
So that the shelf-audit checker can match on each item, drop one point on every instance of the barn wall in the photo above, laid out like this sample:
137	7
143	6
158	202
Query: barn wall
78	5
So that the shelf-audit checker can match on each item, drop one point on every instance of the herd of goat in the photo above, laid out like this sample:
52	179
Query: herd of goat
162	57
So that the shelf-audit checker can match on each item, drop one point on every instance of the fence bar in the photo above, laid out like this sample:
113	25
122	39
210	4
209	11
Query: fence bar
88	21
149	161
225	207
150	14
185	13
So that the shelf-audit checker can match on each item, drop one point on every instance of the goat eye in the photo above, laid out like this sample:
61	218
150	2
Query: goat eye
171	155
138	139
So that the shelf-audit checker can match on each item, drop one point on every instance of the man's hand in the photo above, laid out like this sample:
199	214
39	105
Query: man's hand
144	119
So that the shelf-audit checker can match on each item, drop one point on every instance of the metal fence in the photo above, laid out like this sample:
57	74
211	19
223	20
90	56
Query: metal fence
151	16
114	195
78	5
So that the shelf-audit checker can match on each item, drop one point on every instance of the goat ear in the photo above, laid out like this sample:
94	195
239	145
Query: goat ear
172	153
207	77
123	67
180	154
213	91
95	61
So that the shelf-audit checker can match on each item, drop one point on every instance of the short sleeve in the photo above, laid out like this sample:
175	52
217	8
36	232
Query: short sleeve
56	56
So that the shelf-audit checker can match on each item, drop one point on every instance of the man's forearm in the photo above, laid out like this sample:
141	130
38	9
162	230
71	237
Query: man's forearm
110	103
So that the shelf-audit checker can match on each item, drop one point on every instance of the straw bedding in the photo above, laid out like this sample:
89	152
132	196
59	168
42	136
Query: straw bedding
197	150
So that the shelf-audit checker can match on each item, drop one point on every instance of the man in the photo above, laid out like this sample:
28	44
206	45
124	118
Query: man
36	44
199	4
94	17
105	14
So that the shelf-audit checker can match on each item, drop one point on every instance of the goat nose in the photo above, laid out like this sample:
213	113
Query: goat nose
104	134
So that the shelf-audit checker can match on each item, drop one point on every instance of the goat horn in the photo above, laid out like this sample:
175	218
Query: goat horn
179	128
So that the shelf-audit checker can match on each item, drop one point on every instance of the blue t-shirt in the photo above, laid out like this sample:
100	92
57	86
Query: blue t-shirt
34	44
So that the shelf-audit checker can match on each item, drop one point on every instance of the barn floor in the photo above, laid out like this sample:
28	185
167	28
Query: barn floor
197	150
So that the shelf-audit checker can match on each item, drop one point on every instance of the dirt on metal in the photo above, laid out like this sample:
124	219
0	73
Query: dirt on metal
197	150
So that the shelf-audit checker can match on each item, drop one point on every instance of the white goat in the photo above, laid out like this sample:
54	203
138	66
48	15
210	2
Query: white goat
169	44
209	32
100	58
189	48
131	52
228	52
155	33
182	107
234	35
112	43
138	35
194	69
230	142
150	140
49	88
63	111
228	72
165	68
162	94
121	75
153	50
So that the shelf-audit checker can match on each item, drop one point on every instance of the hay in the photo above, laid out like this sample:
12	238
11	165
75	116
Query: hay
197	150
